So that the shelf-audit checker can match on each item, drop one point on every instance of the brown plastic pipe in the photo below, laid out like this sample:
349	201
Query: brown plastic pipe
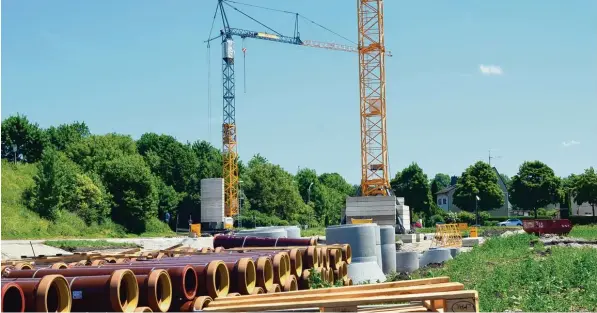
213	277
183	277
13	299
291	284
275	288
196	304
118	292
48	294
228	242
242	270
155	290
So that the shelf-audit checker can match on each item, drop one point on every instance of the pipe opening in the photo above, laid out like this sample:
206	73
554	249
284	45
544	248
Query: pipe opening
281	270
24	266
190	282
124	291
250	276
296	261
53	294
347	254
265	269
222	279
59	266
13	299
162	291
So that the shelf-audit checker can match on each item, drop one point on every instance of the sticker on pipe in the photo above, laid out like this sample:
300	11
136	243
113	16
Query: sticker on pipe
77	294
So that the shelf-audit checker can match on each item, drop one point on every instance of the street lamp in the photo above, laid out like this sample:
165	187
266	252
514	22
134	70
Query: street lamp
477	199
14	151
309	198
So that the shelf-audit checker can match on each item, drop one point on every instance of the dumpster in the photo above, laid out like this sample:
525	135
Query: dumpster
540	227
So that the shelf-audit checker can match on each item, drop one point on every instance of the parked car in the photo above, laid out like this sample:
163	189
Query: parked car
511	222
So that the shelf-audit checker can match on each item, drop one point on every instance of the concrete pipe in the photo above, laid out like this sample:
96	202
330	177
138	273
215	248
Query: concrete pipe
48	294
291	284
275	289
155	290
362	239
437	256
378	246
388	248
293	232
118	292
407	262
258	291
197	304
454	252
13	299
143	309
23	266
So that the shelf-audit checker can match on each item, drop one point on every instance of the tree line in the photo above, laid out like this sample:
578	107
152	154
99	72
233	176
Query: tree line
129	181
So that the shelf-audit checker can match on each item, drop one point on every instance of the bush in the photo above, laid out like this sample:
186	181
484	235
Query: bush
466	217
451	217
436	219
490	223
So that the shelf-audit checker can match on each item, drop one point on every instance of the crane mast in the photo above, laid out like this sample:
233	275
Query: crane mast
372	84
229	151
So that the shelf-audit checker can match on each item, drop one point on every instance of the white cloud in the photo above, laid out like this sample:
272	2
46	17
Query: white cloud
570	143
490	70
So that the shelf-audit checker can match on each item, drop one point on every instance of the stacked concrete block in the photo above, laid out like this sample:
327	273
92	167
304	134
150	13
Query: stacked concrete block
212	202
381	209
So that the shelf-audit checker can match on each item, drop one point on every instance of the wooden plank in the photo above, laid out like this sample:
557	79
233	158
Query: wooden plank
395	308
354	301
396	284
464	304
341	295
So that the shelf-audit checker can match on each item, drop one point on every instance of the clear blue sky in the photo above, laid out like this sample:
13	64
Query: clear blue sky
136	66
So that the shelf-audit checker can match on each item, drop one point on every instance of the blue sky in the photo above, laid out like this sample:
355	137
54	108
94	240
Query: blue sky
139	66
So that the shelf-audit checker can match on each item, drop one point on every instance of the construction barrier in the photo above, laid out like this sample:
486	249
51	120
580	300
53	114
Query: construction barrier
447	236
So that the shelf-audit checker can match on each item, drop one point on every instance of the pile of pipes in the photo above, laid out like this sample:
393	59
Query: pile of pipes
174	279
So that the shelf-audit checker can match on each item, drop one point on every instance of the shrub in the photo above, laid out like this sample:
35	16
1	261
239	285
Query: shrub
436	219
451	217
466	217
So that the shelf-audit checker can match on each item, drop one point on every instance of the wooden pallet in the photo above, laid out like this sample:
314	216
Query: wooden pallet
433	294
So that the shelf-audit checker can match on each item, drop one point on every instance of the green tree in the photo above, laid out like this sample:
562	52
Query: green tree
27	137
172	161
94	152
273	191
478	180
168	199
337	182
135	195
534	186
585	188
61	186
439	182
305	177
412	184
507	180
62	136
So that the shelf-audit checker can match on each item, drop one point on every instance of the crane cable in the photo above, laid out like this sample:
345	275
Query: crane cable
209	102
286	12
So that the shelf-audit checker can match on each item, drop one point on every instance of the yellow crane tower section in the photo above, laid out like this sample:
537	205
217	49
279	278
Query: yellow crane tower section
372	84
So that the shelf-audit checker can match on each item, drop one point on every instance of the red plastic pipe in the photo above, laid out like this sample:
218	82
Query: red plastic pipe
13	299
229	242
48	294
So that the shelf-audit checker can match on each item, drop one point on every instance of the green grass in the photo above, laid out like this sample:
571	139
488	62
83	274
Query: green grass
510	276
584	231
18	222
483	231
315	231
86	245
